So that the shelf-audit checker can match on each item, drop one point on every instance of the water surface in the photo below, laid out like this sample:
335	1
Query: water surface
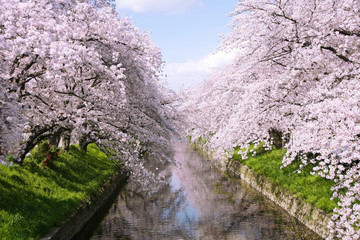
197	203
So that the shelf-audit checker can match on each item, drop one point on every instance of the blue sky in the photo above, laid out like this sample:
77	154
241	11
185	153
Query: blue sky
187	32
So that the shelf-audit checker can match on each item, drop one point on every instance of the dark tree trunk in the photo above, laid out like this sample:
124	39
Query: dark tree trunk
37	135
55	139
84	141
277	137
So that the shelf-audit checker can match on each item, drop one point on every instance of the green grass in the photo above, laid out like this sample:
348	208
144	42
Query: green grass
33	198
313	189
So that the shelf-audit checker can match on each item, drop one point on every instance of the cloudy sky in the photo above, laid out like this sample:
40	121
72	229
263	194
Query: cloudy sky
187	32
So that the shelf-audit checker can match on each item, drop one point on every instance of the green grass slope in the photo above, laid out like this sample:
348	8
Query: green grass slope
34	197
313	189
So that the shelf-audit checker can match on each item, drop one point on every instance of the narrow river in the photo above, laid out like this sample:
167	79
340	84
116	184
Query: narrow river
198	203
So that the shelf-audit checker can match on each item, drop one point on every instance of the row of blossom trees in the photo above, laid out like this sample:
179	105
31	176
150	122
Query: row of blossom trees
294	84
73	70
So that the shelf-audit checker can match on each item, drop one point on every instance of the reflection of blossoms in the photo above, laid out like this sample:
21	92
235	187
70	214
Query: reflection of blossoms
197	202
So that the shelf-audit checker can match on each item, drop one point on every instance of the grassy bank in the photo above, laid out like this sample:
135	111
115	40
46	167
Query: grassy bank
313	189
36	196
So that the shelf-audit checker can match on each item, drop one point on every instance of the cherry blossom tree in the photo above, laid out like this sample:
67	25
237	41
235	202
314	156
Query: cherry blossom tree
295	78
76	69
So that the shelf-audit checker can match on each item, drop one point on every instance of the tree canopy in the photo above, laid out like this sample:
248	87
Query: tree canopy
294	84
74	70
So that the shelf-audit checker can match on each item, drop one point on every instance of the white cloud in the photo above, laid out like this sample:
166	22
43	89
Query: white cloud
158	6
193	72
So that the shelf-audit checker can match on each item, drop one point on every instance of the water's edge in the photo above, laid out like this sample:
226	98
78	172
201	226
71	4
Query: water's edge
88	211
310	216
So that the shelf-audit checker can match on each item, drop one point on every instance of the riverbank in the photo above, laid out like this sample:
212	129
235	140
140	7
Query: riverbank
303	196
37	197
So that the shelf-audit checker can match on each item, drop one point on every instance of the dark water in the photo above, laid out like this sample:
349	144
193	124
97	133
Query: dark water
198	203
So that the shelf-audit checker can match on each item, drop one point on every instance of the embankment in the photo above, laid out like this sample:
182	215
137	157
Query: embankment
312	217
82	220
63	193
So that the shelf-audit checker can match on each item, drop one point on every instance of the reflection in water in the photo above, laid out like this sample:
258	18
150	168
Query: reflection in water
197	203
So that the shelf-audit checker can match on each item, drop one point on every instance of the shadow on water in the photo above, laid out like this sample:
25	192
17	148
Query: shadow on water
198	202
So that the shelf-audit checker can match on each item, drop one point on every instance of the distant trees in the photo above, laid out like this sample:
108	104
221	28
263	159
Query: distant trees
296	75
76	70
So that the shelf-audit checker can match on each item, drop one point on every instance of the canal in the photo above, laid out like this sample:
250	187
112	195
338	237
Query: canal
198	202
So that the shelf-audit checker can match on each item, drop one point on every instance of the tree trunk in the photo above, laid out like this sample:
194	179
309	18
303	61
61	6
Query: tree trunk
276	136
55	139
37	135
84	141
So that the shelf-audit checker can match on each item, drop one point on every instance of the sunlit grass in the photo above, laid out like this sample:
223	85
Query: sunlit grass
33	198
313	189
